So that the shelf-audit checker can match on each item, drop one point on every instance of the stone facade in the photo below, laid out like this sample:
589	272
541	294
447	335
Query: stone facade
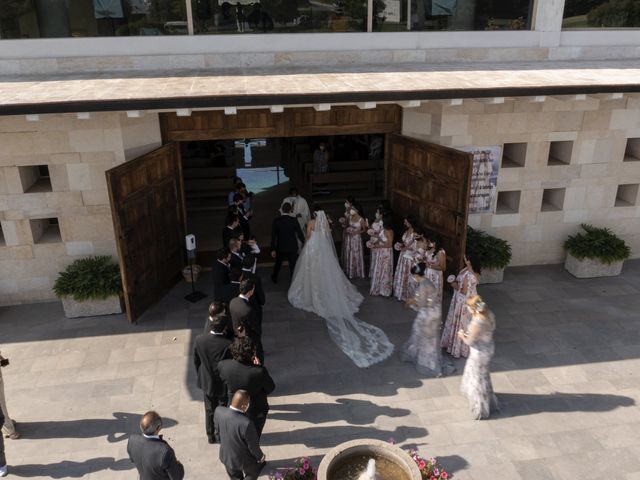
48	224
585	189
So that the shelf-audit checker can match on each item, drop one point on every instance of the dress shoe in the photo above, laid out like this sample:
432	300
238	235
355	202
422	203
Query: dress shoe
4	471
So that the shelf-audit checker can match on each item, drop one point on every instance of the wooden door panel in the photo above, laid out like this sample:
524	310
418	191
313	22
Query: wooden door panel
147	216
431	182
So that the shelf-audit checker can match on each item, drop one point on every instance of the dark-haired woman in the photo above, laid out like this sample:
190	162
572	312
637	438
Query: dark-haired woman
423	347
436	260
382	269
407	249
458	318
352	254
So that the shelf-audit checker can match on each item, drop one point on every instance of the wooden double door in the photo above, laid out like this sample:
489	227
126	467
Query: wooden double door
147	202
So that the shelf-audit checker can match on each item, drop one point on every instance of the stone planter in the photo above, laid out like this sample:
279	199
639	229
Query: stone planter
491	275
91	308
395	463
591	267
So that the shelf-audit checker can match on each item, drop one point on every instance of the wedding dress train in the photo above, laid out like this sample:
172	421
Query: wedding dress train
320	286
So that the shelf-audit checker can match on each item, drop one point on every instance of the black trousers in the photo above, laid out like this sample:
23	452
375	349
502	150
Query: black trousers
3	459
247	473
258	421
291	257
210	404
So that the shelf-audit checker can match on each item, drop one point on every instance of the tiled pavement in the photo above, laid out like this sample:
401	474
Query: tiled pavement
567	368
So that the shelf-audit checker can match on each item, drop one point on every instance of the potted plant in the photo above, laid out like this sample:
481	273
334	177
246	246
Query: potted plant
596	252
493	253
90	286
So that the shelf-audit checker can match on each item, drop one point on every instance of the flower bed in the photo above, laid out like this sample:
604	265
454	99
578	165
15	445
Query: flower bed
302	470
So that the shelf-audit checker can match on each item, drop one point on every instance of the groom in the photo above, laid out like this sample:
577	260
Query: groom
285	233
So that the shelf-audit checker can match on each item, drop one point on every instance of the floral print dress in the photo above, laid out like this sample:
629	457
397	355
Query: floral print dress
436	276
382	269
353	260
459	316
374	233
401	281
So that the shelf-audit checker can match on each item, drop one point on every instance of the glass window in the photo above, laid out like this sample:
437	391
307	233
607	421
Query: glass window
399	15
281	16
91	18
601	14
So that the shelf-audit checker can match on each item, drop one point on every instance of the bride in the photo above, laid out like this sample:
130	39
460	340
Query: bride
320	286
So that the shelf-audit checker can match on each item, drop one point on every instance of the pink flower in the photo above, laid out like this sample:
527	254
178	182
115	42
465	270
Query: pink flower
301	471
444	475
392	441
305	464
421	464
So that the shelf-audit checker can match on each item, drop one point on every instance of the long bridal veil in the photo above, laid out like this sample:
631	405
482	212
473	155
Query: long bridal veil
320	286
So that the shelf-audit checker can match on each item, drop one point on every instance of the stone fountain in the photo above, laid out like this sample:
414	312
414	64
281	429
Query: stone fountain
351	461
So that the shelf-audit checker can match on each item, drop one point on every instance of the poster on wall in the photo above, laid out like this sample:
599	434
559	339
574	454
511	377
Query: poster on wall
484	178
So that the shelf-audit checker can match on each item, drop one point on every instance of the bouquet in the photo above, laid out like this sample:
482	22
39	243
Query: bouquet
342	220
429	468
369	244
451	278
399	246
301	470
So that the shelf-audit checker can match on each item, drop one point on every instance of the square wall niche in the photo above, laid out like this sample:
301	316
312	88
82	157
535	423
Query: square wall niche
508	202
513	155
560	153
45	230
35	179
552	199
627	195
632	151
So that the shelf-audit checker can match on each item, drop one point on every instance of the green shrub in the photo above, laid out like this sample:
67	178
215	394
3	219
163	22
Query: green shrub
492	252
598	243
92	278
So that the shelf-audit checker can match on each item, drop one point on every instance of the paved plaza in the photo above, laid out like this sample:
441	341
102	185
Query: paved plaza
567	368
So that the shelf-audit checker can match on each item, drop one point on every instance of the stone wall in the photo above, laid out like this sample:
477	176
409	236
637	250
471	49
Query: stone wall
584	189
66	216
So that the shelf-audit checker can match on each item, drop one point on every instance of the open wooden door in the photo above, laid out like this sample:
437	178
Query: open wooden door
431	182
146	205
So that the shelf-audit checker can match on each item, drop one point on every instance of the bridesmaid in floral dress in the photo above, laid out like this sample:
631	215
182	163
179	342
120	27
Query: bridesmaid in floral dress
407	249
436	260
343	222
374	238
354	226
464	287
382	269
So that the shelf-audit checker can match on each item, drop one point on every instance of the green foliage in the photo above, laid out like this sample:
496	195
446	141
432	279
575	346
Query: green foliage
92	278
615	14
598	243
492	252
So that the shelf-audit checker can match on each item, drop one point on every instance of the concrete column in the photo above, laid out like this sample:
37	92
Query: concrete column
547	19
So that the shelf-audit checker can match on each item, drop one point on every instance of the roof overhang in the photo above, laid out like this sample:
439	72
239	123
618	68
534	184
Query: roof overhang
121	91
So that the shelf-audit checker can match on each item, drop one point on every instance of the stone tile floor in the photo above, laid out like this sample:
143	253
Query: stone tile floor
567	368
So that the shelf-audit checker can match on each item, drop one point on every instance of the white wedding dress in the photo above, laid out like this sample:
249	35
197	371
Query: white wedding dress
320	286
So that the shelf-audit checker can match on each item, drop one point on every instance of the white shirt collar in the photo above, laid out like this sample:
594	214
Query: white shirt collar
243	297
154	437
216	333
235	409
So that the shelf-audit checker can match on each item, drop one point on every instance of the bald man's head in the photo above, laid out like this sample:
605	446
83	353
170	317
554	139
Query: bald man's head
150	423
241	400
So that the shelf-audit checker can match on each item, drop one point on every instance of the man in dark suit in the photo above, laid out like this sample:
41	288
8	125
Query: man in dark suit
220	271
152	456
231	229
209	349
258	298
285	234
235	247
244	372
240	451
244	316
243	215
228	292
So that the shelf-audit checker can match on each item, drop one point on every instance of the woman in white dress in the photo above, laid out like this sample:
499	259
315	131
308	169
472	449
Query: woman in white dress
320	286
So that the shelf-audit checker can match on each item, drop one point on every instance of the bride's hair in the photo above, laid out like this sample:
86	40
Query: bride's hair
419	269
315	209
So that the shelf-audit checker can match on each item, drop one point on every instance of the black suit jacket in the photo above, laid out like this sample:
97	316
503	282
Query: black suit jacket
209	349
243	314
236	261
226	293
285	233
154	459
220	273
258	298
238	439
252	378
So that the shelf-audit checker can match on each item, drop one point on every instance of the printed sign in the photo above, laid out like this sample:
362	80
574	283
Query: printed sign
484	178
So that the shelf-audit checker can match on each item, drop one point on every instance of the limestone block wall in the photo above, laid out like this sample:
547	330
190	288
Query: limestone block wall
593	175
47	224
